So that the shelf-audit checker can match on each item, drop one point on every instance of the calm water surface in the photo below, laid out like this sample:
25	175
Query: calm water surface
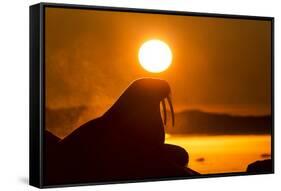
218	154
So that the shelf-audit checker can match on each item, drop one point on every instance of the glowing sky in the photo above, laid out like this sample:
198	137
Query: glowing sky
218	64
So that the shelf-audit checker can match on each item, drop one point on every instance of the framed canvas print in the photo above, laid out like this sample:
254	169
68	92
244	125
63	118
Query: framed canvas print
126	95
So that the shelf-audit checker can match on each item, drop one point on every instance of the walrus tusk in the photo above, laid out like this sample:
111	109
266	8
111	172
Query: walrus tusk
164	111
171	108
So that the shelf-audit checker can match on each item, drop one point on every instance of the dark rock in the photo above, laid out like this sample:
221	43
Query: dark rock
265	155
260	166
201	159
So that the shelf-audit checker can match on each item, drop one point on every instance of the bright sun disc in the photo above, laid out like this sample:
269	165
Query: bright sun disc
155	56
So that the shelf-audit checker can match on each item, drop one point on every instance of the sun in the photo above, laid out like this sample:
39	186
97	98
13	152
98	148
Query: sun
155	56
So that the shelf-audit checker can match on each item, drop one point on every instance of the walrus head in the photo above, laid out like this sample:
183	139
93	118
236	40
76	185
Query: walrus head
137	110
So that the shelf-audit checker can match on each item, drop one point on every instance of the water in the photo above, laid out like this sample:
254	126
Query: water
221	154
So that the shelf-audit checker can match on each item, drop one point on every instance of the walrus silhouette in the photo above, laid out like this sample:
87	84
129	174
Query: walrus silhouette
127	142
137	112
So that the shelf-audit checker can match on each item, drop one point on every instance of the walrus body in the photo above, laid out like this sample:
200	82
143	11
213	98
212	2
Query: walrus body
126	143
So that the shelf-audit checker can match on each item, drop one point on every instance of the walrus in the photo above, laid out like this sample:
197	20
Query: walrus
127	141
137	112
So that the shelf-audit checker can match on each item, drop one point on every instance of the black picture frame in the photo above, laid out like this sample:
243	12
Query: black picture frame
37	86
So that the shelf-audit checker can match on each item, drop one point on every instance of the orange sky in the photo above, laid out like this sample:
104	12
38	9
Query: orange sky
218	64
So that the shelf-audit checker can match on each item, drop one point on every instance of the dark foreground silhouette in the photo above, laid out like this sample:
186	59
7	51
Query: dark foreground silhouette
126	143
261	166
